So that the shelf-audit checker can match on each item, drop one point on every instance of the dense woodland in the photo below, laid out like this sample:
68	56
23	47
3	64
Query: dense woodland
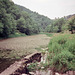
40	20
13	20
17	19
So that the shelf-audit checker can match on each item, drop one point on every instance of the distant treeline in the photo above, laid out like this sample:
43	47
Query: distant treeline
62	24
66	23
18	19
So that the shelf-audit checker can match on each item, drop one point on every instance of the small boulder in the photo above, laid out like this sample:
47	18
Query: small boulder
42	67
24	74
32	73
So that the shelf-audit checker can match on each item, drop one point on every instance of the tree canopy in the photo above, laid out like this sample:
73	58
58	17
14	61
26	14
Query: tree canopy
12	19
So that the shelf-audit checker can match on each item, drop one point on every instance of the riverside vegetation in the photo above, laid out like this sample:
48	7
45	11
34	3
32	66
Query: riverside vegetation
60	56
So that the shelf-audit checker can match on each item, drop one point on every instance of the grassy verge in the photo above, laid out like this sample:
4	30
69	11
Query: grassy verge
13	35
48	34
16	35
61	56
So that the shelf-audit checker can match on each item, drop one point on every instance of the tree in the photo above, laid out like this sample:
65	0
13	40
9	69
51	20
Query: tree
72	25
21	25
9	25
7	22
1	28
60	22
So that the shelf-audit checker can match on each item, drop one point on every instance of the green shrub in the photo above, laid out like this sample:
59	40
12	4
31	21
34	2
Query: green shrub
62	61
32	67
48	34
61	56
71	45
16	35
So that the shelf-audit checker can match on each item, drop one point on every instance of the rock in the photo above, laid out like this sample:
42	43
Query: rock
42	48
56	73
32	73
16	73
24	74
42	67
38	63
28	64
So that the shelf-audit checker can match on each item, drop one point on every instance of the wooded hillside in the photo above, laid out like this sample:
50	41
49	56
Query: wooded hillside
18	19
13	20
41	20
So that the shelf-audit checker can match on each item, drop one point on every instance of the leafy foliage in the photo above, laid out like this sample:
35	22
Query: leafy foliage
7	22
62	24
61	56
12	19
56	25
72	25
33	67
40	20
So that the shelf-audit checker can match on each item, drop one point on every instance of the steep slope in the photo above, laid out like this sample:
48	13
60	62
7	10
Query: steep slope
41	20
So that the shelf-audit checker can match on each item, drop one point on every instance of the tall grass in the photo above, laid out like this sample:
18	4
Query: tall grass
61	56
48	34
16	35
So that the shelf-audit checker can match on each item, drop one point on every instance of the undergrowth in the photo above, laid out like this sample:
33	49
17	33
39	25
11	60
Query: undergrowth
48	34
16	35
61	56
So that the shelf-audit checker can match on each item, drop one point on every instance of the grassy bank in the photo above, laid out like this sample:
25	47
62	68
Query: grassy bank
61	56
48	34
13	36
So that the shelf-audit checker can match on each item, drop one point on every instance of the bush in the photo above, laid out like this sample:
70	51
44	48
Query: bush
63	61
17	35
61	56
33	67
48	34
